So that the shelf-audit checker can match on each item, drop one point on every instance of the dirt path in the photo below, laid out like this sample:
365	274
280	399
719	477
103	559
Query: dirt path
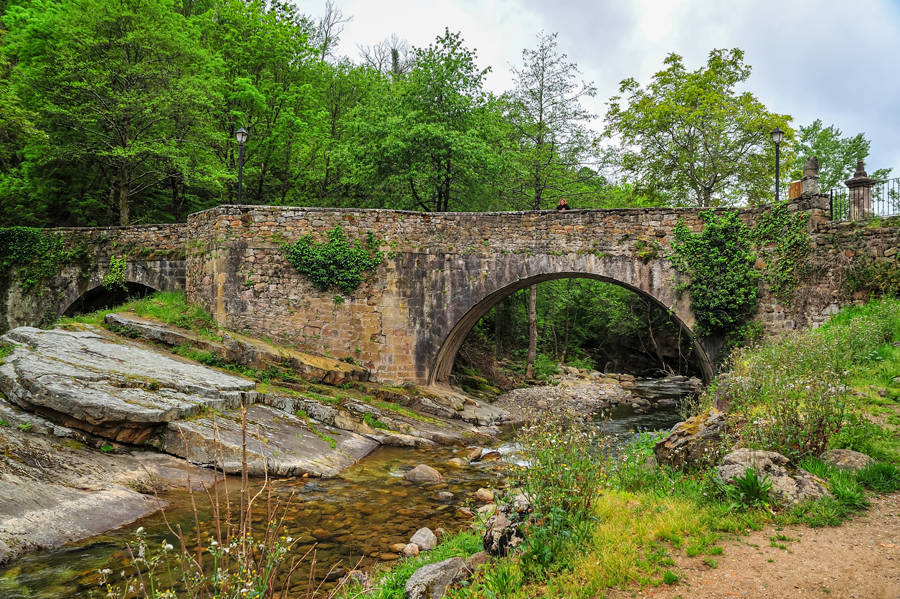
860	559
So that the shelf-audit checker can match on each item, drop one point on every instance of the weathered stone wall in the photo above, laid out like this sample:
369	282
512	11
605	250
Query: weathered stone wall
155	258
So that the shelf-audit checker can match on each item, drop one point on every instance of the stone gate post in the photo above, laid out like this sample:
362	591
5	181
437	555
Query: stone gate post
860	192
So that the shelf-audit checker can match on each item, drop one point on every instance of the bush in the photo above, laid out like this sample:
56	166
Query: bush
545	366
790	396
336	263
564	469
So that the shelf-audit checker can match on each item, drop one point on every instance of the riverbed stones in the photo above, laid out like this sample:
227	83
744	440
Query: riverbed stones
398	547
457	463
789	485
431	581
692	441
846	459
473	453
410	549
119	391
424	538
423	473
445	496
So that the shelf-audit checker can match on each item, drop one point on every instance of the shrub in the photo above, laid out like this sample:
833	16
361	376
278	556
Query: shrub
545	366
564	469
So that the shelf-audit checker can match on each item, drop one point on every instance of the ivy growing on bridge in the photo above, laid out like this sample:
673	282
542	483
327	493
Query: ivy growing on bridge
115	276
721	262
37	255
335	263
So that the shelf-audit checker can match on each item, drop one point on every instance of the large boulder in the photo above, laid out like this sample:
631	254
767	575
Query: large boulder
116	390
693	441
846	459
789	485
431	581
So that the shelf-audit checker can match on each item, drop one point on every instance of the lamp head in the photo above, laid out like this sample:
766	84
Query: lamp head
777	135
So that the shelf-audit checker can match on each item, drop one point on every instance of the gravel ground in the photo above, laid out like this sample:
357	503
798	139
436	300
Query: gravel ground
859	559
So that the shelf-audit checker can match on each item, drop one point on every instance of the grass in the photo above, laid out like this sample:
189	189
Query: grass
170	307
302	415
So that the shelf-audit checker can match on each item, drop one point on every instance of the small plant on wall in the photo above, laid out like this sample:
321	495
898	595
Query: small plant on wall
335	263
115	277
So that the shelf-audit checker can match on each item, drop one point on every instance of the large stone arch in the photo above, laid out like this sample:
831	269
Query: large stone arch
504	275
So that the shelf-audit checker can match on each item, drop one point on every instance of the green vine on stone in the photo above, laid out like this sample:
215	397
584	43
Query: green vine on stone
115	277
335	263
36	255
783	244
720	263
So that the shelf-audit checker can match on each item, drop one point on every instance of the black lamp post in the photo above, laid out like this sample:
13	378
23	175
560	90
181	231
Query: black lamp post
241	135
777	136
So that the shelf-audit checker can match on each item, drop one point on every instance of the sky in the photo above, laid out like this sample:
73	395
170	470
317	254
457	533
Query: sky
830	59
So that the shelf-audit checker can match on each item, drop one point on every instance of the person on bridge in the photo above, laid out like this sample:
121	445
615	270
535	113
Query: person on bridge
563	205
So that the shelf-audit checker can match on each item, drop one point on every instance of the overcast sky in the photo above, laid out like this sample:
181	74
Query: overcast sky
831	59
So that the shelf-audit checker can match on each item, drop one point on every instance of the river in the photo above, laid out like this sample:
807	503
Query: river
356	516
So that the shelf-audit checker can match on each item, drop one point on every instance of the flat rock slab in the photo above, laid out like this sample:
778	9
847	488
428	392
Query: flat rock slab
242	349
119	391
278	443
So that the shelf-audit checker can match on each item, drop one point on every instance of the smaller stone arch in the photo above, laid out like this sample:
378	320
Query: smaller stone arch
140	279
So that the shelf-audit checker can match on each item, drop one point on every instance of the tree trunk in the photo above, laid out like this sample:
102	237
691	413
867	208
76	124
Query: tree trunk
123	196
532	331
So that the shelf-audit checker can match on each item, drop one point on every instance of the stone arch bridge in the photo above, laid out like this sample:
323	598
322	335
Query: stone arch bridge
442	273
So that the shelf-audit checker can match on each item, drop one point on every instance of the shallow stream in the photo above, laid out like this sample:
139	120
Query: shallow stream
355	518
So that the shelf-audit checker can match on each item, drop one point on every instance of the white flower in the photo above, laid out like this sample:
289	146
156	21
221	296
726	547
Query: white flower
139	530
168	547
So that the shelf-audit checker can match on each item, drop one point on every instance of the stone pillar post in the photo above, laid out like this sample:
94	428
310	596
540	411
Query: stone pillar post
860	192
810	180
811	200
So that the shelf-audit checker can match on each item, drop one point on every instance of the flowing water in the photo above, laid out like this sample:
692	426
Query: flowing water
351	520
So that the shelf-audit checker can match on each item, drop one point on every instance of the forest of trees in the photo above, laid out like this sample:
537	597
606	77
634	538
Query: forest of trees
125	112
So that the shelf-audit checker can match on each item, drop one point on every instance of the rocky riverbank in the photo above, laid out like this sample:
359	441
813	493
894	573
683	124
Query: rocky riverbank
586	392
83	411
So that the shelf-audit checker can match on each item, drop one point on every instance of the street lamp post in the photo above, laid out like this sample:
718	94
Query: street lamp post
777	136
241	135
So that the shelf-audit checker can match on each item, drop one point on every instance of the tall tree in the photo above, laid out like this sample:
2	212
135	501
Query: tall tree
837	155
553	138
691	136
426	140
120	86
